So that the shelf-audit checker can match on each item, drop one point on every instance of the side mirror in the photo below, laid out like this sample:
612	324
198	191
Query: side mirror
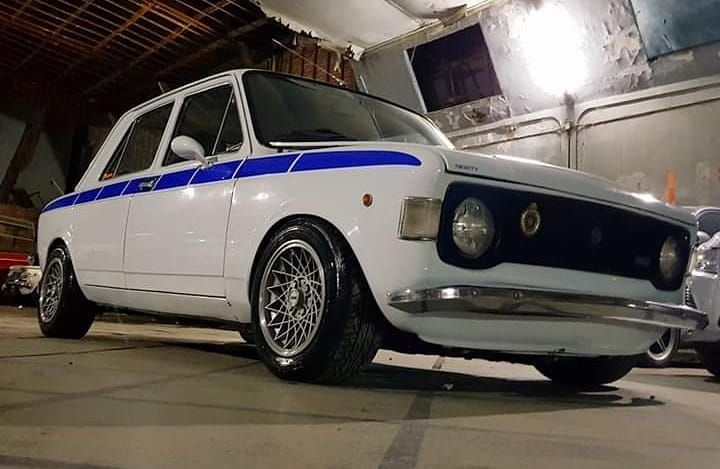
188	148
702	237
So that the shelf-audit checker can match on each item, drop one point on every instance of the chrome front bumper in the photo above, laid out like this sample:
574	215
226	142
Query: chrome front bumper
526	302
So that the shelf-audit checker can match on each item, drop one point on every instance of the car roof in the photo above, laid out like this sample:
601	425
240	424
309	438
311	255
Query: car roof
699	209
186	86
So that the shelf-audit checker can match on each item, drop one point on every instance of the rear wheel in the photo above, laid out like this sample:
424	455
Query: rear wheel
581	371
661	353
63	310
710	357
311	309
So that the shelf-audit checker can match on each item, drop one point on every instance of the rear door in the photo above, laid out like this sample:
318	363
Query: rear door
100	212
177	221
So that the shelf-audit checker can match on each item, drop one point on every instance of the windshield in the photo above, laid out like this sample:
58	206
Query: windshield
289	110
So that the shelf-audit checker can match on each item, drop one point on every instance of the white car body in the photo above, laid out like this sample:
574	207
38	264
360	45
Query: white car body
187	247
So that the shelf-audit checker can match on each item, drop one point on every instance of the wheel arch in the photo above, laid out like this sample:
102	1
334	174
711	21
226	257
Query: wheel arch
279	224
55	243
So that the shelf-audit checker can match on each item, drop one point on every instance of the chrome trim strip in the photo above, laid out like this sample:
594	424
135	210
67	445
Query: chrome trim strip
528	302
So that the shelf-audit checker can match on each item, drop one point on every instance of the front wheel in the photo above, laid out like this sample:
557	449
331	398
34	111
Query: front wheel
311	309
661	353
581	371
63	310
710	357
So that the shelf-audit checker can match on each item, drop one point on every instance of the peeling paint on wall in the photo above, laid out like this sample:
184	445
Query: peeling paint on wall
472	114
611	46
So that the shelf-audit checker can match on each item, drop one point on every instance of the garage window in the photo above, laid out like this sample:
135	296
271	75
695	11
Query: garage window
211	118
455	69
138	147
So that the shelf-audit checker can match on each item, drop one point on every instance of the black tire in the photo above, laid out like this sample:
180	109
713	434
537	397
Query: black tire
247	333
346	339
709	355
662	352
73	314
580	371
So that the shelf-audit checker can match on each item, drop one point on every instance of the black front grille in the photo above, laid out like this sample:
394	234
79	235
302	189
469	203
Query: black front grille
688	298
574	234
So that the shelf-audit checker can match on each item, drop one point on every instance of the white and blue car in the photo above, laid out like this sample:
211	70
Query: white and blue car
325	223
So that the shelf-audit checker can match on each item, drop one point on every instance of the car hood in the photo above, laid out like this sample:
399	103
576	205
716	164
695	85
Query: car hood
533	173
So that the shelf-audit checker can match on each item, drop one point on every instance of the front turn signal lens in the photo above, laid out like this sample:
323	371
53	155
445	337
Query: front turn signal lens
420	218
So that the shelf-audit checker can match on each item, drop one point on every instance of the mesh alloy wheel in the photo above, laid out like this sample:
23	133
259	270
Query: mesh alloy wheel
63	311
51	291
292	298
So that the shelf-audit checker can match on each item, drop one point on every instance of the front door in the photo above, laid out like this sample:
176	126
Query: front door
177	221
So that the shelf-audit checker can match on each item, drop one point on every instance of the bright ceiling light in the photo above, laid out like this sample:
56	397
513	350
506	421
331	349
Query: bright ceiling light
552	44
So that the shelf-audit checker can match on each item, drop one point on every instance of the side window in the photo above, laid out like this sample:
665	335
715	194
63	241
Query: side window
211	118
709	222
137	149
111	167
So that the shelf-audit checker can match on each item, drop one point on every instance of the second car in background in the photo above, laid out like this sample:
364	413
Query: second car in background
700	291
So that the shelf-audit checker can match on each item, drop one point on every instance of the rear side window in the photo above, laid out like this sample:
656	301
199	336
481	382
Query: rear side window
138	147
211	118
709	222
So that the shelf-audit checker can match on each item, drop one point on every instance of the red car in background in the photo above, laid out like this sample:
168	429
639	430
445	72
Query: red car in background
17	242
8	259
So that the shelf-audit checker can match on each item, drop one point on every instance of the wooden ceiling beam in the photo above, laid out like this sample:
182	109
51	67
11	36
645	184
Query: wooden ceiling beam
160	45
139	13
229	37
54	34
30	29
21	9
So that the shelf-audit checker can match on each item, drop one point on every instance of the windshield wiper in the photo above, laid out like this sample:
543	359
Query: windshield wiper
314	135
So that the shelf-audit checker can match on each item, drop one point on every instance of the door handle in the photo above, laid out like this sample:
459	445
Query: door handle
147	185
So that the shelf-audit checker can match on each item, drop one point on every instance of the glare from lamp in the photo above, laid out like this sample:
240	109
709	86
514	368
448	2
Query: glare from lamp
552	44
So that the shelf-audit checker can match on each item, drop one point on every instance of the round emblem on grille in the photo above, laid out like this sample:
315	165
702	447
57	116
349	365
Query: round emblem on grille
530	221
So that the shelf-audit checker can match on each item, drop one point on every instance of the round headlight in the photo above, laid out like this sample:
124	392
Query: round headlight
473	228
670	266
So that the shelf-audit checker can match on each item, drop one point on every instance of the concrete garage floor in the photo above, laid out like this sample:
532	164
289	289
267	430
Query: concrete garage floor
149	395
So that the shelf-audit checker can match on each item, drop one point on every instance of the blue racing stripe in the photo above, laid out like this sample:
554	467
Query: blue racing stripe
270	165
353	159
113	190
176	179
66	201
217	172
88	196
276	164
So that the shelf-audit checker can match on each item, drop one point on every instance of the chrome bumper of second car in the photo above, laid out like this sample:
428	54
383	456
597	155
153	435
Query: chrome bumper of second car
528	302
15	279
22	277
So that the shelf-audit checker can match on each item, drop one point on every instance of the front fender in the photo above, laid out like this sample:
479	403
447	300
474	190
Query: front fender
335	196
